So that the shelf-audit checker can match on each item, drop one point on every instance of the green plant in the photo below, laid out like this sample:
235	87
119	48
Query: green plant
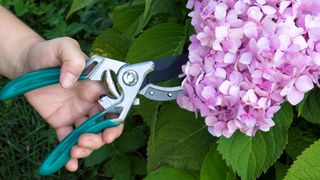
179	146
160	140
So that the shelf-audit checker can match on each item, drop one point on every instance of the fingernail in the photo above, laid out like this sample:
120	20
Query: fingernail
68	80
89	143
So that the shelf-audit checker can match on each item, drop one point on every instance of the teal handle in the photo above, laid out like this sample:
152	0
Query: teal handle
31	81
61	154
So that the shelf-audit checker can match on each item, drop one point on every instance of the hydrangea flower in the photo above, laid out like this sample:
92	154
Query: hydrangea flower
246	58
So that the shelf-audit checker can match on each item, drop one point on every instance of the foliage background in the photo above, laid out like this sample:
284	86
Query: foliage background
160	140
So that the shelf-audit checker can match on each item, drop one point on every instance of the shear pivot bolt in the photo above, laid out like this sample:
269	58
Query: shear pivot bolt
170	94
151	93
130	78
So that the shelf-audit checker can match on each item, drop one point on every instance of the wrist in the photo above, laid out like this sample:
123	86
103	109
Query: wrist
24	61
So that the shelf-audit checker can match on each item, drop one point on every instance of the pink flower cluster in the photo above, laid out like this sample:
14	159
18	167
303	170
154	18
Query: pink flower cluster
246	58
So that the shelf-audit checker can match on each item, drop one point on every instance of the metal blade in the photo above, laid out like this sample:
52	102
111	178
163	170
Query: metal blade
166	69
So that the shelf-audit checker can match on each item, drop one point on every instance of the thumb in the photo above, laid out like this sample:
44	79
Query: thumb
72	60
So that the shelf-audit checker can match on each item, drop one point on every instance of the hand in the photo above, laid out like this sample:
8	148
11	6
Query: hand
71	103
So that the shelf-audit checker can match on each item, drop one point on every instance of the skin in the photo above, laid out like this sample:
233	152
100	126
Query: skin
63	105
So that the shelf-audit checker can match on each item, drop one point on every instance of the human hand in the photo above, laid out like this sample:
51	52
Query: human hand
70	103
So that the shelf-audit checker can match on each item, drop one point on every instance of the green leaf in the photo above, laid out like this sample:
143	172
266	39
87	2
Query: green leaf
129	141
133	18
147	7
170	173
138	165
112	44
281	170
307	164
99	155
159	41
125	15
77	5
214	167
250	156
300	106
177	138
298	141
311	109
20	7
119	167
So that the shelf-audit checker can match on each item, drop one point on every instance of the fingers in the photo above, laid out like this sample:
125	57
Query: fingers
90	141
87	143
62	132
80	152
72	165
111	134
72	59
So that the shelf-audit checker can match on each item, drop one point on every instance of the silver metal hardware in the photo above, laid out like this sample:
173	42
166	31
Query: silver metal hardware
103	65
130	77
136	101
112	88
160	93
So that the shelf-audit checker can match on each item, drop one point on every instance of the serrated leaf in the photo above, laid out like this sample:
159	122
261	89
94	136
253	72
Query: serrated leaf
112	44
177	138
214	167
250	156
297	142
159	41
311	108
307	165
170	173
77	5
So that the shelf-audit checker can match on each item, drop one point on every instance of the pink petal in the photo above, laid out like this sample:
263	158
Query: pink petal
263	43
301	42
250	96
268	10
250	29
220	11
285	41
221	31
207	92
229	58
304	83
255	13
234	90
224	87
220	72
236	33
246	58
316	58
295	96
283	6
210	120
240	7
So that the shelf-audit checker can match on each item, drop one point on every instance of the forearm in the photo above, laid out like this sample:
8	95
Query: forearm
15	40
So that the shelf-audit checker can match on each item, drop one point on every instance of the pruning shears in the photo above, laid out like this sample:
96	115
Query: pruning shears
131	79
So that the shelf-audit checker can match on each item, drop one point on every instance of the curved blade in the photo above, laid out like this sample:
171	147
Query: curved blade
166	69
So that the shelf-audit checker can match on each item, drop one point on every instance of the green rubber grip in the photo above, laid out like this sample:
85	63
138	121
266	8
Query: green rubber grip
31	81
61	154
